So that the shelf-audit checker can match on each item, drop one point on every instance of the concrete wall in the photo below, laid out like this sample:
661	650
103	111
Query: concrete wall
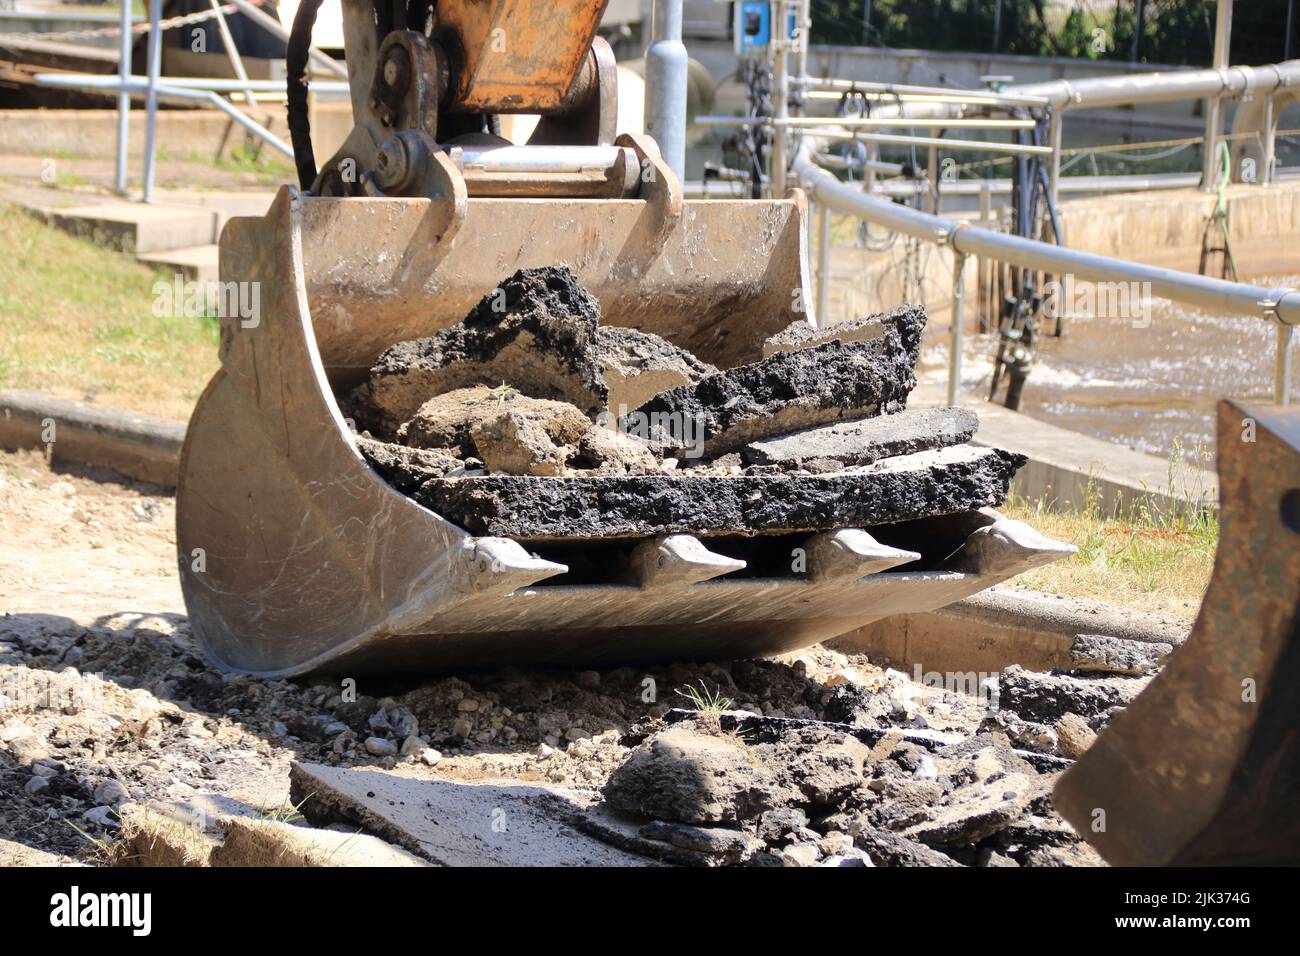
93	133
1001	627
1166	230
181	133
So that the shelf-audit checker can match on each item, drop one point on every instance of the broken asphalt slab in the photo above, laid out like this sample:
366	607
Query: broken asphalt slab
454	823
639	365
402	467
536	333
802	335
866	440
926	484
789	391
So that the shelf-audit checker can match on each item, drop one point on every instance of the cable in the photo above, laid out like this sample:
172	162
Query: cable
296	68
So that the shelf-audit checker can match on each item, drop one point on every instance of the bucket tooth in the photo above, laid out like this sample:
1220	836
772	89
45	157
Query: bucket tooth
1007	547
676	560
501	565
849	554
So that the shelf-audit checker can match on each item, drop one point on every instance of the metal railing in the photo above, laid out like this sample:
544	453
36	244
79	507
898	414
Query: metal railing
187	89
1280	305
936	108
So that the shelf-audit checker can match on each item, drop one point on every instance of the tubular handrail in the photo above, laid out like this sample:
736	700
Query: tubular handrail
1236	298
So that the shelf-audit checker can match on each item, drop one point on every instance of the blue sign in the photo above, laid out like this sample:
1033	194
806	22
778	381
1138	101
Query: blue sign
753	25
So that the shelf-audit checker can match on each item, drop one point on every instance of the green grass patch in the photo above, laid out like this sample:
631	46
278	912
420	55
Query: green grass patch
77	320
1158	557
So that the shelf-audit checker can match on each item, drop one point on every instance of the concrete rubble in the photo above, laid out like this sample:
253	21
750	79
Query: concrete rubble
790	391
165	835
802	335
529	420
537	332
1101	654
816	758
450	420
455	824
638	365
406	469
1048	697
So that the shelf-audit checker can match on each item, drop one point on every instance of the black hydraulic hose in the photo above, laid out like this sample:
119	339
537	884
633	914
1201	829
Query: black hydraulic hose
296	66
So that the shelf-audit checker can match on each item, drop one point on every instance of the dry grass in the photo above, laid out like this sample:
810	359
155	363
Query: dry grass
1151	561
76	320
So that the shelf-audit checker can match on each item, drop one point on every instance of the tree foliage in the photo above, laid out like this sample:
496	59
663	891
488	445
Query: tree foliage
1176	32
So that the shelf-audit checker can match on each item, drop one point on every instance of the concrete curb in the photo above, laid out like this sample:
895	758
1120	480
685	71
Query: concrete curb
997	628
1066	466
137	446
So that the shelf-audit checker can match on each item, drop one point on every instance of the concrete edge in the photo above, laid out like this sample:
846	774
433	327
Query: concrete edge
163	834
1067	467
143	447
995	629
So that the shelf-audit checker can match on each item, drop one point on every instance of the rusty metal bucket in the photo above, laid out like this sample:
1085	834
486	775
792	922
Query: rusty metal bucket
1203	768
295	556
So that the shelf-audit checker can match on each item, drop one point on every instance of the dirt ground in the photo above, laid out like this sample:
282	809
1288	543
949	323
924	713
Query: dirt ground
105	701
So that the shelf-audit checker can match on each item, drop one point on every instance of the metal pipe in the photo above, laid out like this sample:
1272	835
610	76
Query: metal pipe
823	267
151	100
866	122
832	161
973	144
1290	18
1103	92
986	220
973	99
1269	159
1234	298
273	26
1282	366
98	81
781	94
541	159
1210	154
955	336
238	115
1069	184
187	94
1139	17
665	85
932	174
1054	134
232	52
123	99
1214	294
910	90
805	38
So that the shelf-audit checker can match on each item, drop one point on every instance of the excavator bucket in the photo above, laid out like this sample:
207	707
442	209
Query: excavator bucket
296	556
1203	768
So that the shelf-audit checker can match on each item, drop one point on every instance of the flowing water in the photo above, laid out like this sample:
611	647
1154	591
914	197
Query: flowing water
1151	386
